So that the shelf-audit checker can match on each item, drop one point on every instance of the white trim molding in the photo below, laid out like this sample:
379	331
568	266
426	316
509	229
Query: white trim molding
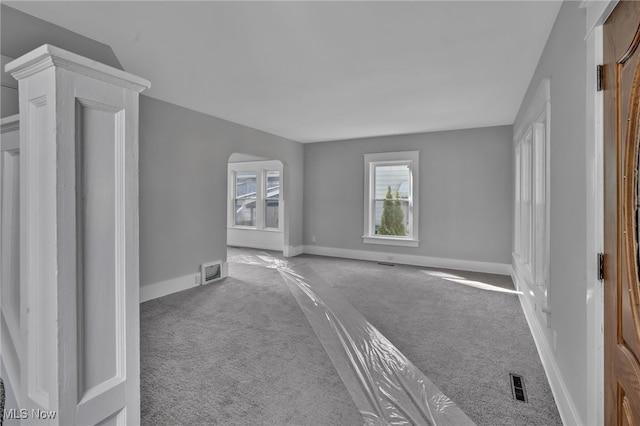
164	288
409	259
292	251
390	241
47	56
597	13
401	158
532	196
175	285
566	407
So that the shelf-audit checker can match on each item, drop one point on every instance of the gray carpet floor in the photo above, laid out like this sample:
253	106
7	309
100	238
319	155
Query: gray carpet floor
237	352
465	339
240	351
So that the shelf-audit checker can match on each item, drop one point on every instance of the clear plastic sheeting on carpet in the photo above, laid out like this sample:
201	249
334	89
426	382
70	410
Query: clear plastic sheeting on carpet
385	386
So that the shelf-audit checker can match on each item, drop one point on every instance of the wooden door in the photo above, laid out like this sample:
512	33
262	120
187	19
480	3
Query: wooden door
622	215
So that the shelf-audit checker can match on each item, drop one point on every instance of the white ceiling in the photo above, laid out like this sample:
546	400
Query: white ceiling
317	71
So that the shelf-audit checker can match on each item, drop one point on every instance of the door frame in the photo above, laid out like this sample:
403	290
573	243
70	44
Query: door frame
597	13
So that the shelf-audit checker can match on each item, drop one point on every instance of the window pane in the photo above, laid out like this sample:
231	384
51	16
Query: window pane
245	211
273	183
391	217
272	199
394	179
271	213
391	205
245	184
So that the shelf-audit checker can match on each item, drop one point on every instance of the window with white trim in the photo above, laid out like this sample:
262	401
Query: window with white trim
246	191
272	199
531	254
255	200
391	207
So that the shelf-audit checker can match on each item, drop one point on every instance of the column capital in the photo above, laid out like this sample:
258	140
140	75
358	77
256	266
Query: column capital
47	56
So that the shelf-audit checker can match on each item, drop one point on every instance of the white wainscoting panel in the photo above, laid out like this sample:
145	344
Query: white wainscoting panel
101	287
255	238
38	246
566	407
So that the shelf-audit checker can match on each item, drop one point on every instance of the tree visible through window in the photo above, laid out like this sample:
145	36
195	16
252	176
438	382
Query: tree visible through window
392	219
390	211
392	183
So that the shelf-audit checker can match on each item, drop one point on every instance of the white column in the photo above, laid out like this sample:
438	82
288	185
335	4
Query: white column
10	259
79	275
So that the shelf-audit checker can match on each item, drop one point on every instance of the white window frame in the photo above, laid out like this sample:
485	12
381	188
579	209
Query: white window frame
260	168
532	231
264	199
411	158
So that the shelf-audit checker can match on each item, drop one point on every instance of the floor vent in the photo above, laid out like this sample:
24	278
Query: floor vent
210	272
386	264
517	387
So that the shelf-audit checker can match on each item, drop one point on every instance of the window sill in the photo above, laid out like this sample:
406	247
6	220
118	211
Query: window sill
390	241
253	228
271	230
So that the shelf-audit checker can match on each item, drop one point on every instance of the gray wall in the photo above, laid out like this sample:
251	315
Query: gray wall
564	61
466	193
183	163
8	90
21	33
183	186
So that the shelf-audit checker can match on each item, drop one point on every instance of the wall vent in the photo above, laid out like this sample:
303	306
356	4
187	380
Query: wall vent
211	272
517	387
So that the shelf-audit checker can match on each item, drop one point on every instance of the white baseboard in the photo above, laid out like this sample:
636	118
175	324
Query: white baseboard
164	288
409	259
291	251
566	407
153	291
